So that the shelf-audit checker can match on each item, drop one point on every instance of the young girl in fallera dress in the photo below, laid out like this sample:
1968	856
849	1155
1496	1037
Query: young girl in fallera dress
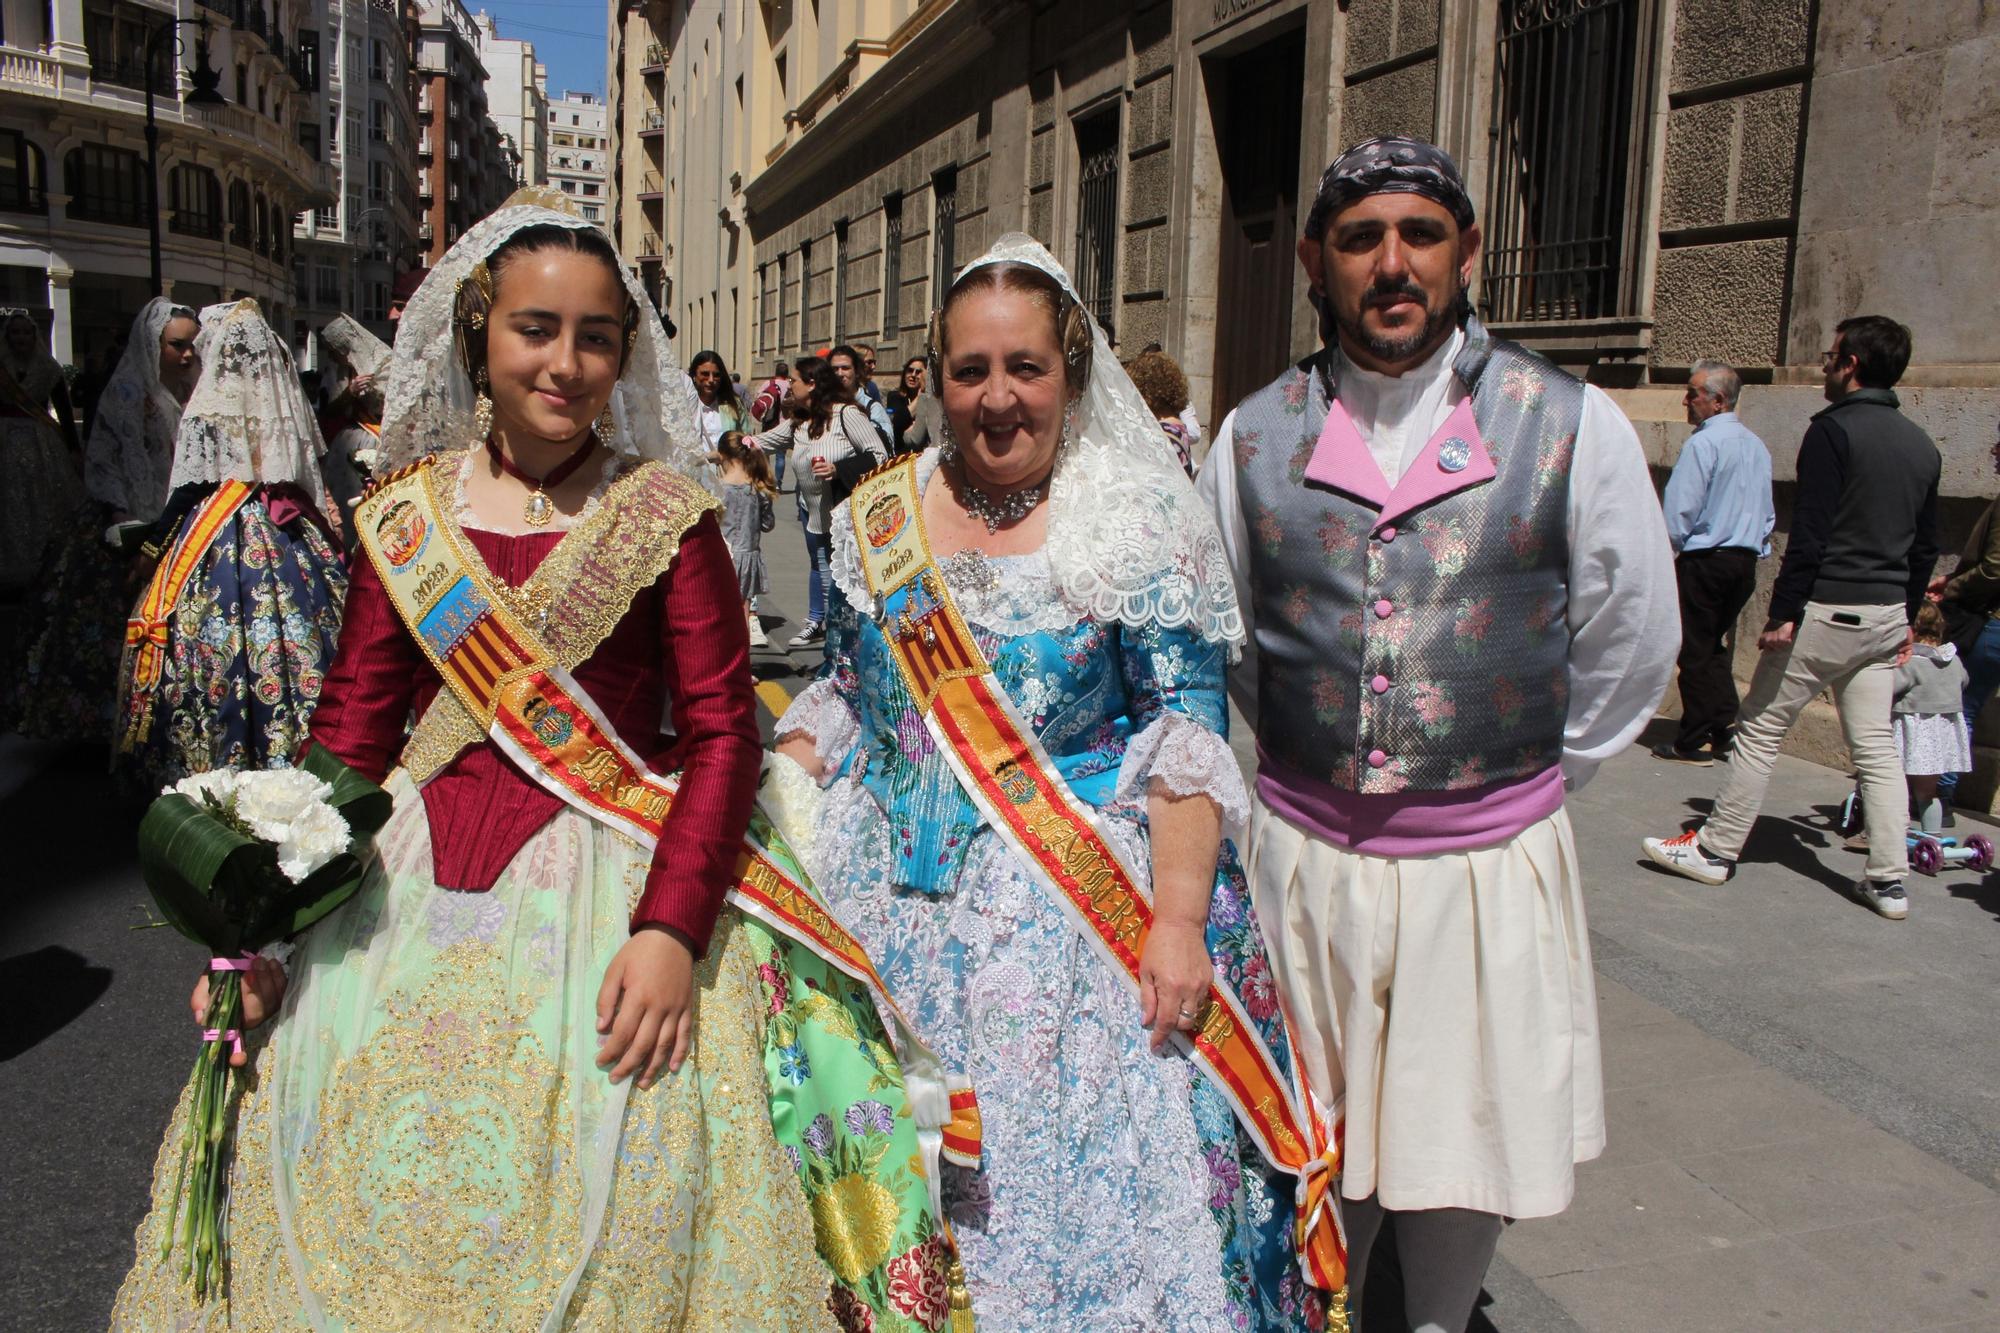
536	1074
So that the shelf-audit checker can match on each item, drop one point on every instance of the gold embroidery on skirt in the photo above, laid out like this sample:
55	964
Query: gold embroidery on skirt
706	1229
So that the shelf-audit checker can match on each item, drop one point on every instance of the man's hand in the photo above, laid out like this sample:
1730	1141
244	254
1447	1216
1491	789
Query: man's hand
1934	591
1778	638
645	1008
1909	645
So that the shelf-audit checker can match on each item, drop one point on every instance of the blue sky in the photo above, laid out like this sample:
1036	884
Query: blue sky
568	36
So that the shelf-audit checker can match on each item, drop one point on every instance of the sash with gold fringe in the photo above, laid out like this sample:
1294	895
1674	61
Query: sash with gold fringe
1003	767
542	719
146	630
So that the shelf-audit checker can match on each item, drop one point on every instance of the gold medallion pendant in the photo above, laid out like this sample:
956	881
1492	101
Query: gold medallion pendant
539	509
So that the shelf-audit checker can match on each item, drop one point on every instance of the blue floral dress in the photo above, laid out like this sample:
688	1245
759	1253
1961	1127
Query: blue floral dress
248	646
1116	1190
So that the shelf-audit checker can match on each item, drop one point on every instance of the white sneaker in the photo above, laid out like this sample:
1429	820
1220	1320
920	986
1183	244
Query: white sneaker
1885	900
1684	856
758	639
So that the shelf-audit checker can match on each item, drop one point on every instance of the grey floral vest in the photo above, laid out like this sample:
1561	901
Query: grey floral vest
1412	638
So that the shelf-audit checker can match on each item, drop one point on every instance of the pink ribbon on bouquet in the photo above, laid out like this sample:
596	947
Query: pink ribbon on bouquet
232	1036
240	963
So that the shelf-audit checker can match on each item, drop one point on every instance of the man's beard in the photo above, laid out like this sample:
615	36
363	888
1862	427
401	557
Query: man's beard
1393	347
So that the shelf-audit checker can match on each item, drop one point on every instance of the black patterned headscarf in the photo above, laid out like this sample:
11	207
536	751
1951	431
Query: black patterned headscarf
1389	164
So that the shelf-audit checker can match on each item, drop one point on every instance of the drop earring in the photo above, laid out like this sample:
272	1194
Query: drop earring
607	425
482	408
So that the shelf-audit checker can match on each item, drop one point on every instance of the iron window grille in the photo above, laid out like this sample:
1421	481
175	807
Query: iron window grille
1097	213
197	202
892	267
944	233
1565	116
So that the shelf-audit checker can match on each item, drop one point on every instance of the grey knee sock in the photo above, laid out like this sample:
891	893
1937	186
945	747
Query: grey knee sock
1445	1254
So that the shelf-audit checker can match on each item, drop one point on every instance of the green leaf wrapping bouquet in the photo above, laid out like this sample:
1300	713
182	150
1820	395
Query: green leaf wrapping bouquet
237	861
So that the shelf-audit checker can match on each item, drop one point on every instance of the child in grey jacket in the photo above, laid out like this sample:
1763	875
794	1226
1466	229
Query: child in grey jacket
1930	717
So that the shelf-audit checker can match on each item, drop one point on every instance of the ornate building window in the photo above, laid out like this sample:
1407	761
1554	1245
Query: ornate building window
23	175
239	214
106	184
1567	140
196	202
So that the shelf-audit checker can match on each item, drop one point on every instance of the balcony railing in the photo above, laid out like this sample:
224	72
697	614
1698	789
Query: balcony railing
650	186
34	69
656	58
655	123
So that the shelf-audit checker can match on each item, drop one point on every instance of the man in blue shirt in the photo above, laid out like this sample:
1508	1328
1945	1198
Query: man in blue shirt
1719	519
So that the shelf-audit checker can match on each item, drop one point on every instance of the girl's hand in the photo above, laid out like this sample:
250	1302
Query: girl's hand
1174	976
263	994
821	466
645	1009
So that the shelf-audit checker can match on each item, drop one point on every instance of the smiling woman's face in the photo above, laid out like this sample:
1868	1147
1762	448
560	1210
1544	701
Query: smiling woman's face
554	342
1004	386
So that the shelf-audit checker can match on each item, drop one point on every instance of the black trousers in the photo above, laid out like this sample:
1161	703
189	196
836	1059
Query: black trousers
1715	586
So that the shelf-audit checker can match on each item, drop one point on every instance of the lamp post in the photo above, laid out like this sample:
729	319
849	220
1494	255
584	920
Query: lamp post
206	79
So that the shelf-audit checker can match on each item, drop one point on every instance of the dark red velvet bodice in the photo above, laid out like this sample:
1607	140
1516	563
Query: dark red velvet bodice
683	644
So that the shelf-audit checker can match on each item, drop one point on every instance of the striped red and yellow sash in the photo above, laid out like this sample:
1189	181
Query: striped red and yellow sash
146	629
1015	785
538	715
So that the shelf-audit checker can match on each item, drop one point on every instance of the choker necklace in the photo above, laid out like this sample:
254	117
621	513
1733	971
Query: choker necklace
996	511
539	509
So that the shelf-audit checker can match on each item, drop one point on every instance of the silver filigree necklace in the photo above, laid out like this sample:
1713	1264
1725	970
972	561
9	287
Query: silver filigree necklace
995	511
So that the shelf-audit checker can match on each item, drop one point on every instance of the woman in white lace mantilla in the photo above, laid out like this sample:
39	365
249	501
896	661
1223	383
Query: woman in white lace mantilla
63	684
1116	1189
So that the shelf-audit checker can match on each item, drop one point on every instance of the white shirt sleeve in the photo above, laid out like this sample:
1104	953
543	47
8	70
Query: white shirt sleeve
1624	607
1216	485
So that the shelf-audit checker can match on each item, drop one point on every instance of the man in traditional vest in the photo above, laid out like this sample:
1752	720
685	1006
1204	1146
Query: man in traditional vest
1462	600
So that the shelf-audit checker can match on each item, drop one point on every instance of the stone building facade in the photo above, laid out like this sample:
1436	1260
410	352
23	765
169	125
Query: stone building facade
462	170
1657	181
74	169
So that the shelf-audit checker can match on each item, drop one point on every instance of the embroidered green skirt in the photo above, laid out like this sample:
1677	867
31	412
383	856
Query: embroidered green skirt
424	1140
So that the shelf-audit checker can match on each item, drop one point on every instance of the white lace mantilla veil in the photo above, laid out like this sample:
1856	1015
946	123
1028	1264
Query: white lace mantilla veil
1128	539
429	403
248	418
130	452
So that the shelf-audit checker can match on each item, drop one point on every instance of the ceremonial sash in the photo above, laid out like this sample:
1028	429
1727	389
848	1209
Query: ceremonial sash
1003	767
146	630
538	715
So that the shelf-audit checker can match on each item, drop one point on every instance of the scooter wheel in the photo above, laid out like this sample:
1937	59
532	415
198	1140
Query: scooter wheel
1850	817
1982	852
1926	857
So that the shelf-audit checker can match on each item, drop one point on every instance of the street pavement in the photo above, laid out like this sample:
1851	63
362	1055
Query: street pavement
1803	1098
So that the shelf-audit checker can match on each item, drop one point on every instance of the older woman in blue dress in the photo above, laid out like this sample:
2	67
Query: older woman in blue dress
1030	656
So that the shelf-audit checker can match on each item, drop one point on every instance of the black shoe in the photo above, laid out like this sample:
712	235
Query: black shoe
1950	820
1669	751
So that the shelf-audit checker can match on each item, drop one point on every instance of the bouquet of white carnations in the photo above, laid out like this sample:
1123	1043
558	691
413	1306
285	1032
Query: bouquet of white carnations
237	861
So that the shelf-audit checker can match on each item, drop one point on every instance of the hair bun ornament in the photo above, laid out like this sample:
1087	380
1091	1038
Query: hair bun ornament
544	196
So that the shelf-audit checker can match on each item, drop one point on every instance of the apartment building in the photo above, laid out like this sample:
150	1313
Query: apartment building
79	190
461	172
517	99
580	151
347	252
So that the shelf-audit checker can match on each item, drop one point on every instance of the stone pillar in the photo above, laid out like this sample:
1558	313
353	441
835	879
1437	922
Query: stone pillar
61	335
66	34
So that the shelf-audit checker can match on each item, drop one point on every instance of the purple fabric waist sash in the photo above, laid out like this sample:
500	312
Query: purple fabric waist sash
1414	823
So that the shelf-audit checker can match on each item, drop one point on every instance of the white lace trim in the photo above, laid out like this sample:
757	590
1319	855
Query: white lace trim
1128	540
429	404
248	419
461	508
1188	760
823	717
